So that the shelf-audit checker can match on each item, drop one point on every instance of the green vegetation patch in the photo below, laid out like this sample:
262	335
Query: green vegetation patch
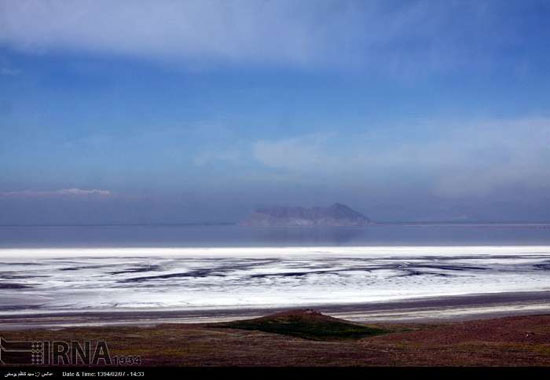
305	324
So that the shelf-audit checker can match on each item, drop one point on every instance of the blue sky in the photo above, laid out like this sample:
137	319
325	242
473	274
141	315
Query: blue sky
183	111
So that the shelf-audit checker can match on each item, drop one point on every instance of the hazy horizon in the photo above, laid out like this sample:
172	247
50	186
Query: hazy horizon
200	111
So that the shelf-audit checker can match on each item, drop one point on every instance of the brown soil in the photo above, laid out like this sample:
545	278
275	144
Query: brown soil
512	341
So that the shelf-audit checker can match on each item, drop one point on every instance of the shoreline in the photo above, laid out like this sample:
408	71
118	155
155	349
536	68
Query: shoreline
374	251
421	310
305	338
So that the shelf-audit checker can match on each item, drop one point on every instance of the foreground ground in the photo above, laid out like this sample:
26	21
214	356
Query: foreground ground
306	338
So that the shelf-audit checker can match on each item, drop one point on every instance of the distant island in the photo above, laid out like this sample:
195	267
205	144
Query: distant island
335	216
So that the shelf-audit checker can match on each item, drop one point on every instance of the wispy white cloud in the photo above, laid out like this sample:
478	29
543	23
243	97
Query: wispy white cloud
297	153
242	30
71	192
207	157
288	32
468	159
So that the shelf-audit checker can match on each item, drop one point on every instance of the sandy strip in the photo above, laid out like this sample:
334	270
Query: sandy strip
447	309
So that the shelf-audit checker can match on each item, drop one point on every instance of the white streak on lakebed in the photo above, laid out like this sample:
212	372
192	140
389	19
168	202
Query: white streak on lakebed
105	279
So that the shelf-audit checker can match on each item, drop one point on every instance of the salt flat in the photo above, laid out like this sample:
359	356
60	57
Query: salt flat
195	279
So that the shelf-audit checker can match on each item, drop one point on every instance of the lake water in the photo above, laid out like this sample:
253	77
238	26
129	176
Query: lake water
45	269
237	236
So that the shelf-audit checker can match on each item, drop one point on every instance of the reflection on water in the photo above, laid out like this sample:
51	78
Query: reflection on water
310	236
232	235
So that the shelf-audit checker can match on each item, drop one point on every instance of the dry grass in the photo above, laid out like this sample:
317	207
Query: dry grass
290	341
